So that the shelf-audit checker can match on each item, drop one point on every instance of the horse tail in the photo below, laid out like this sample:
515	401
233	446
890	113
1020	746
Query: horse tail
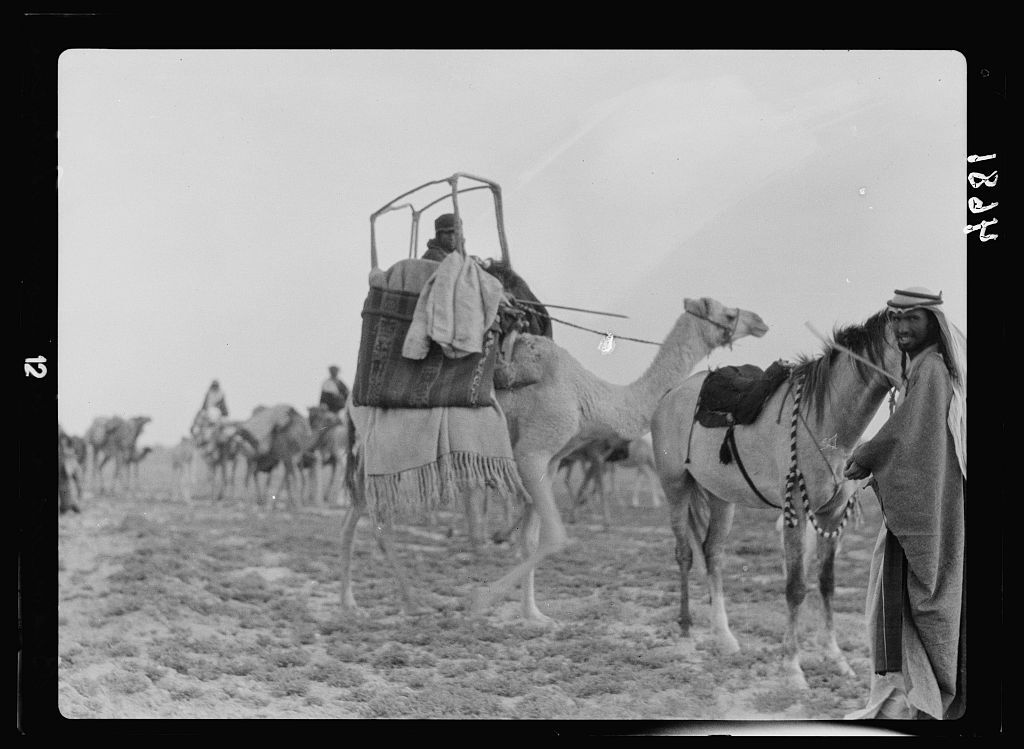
698	522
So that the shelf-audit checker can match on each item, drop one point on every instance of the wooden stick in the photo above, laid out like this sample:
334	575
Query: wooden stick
574	309
858	357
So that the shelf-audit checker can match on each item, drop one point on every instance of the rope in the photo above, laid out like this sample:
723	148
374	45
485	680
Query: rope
730	331
598	332
796	477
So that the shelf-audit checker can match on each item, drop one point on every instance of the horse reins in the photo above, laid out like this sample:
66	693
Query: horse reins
796	477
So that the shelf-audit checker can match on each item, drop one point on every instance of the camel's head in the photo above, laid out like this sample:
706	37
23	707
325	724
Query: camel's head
731	323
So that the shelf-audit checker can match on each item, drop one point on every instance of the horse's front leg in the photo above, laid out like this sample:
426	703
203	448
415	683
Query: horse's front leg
828	549
794	542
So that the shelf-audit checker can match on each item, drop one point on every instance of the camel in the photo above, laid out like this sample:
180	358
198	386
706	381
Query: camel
69	474
640	455
593	459
637	454
331	441
95	439
782	457
278	434
182	458
219	445
570	406
119	444
80	448
567	407
134	459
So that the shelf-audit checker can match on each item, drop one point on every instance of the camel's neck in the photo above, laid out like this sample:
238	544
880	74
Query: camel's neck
688	342
683	348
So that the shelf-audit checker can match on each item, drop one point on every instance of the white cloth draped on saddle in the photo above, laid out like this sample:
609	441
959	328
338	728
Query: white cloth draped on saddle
426	457
457	305
261	425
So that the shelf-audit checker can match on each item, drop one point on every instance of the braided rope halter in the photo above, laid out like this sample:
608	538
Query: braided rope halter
796	477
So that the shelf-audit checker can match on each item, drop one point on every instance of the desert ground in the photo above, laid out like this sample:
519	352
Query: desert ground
171	610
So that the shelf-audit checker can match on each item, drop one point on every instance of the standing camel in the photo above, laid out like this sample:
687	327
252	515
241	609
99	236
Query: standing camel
330	433
278	434
121	438
564	407
593	459
96	439
134	459
637	454
219	445
798	445
69	474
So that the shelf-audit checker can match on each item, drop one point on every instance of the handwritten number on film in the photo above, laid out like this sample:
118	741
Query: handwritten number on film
977	205
35	367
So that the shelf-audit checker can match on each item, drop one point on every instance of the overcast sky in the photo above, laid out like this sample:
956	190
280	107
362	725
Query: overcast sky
214	205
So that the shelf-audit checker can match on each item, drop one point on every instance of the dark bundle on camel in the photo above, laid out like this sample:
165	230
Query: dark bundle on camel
532	318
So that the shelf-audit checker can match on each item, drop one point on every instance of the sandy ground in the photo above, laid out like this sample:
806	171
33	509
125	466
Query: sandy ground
163	613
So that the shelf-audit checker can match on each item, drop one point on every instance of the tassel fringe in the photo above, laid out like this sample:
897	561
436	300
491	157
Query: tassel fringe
439	485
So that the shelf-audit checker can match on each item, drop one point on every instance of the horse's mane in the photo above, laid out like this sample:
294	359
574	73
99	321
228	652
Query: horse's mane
866	339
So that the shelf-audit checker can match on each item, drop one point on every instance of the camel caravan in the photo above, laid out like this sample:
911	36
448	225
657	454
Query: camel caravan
463	399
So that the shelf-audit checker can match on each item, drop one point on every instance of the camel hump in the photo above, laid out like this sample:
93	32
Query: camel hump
531	356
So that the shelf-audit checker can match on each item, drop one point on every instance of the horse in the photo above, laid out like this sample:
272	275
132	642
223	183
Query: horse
799	443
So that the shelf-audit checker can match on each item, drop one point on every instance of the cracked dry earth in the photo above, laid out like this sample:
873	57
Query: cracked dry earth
212	611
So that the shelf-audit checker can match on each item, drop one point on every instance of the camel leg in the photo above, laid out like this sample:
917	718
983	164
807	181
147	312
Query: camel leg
533	469
316	485
99	473
574	497
384	535
529	540
719	525
655	487
828	549
348	532
606	510
252	474
794	546
511	526
475	517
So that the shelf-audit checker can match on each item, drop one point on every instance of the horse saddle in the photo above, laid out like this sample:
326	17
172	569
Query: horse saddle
732	396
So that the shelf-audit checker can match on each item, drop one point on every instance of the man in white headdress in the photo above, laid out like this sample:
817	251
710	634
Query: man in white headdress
916	607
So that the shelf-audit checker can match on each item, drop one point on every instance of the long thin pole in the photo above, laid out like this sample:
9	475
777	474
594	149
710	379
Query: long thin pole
858	357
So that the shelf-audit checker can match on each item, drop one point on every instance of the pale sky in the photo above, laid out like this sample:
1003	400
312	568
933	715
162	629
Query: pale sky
214	205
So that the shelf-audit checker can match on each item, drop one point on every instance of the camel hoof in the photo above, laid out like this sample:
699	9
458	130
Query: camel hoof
539	619
350	610
416	609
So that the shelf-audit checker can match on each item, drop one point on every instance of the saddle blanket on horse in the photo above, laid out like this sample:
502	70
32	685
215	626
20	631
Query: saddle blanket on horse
387	379
736	395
